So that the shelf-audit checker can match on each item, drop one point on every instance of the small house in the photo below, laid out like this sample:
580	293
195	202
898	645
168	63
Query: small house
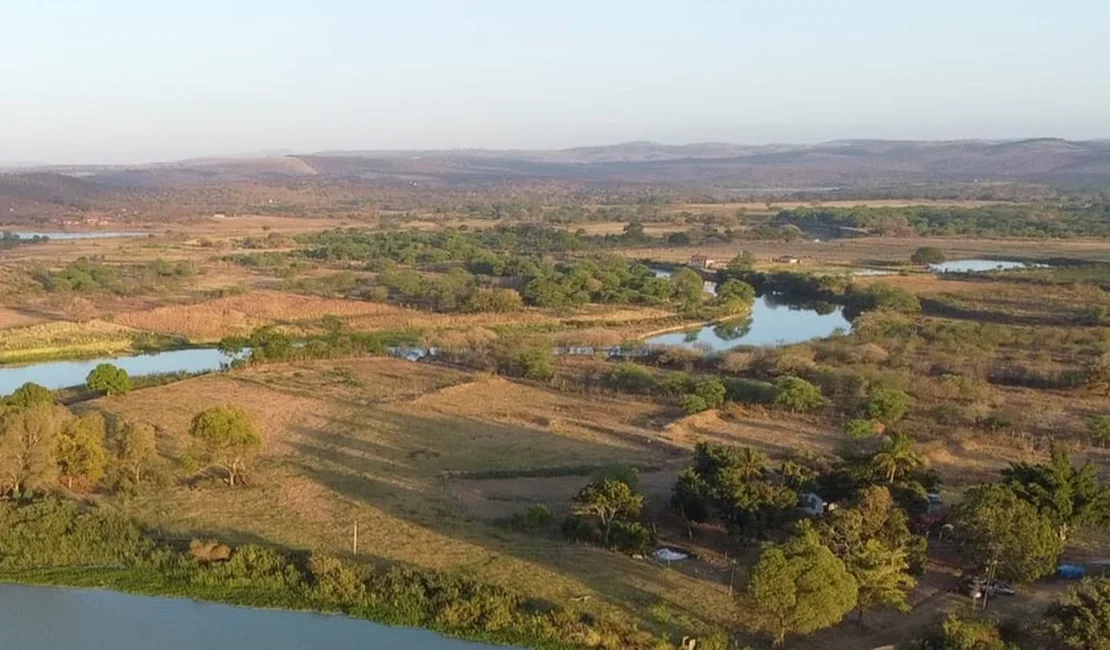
786	259
701	262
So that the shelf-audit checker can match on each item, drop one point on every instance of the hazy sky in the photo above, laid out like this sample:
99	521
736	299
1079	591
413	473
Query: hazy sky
136	80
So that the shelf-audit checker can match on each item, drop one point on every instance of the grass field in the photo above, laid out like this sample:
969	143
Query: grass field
372	441
60	339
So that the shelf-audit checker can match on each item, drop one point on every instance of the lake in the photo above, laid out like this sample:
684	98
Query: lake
48	618
770	323
61	374
79	235
981	266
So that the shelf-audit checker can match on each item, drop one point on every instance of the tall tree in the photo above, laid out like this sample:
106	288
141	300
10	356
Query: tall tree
995	527
81	450
799	587
875	544
690	499
134	447
1071	497
225	437
608	501
27	446
896	457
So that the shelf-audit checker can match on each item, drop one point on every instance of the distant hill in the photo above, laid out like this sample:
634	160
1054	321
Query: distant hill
840	164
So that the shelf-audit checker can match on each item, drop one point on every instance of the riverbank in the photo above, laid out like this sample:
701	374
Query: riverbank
153	584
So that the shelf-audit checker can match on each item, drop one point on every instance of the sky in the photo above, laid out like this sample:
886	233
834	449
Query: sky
125	81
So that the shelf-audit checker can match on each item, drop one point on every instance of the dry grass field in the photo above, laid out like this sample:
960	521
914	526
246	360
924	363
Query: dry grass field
213	319
375	440
77	339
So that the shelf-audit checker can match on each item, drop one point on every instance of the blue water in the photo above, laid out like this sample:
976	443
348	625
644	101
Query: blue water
49	618
980	266
771	324
61	374
79	235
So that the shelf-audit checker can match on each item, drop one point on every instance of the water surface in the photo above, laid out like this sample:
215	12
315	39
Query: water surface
61	374
51	618
981	266
770	323
79	235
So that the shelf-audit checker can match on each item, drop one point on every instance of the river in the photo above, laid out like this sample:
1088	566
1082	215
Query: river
50	618
62	374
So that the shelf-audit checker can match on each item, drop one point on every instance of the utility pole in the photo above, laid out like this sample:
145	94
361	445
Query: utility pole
354	543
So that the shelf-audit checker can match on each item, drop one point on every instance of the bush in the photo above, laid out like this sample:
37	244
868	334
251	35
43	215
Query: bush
632	537
632	378
798	395
712	391
886	405
534	363
207	551
108	379
336	580
860	428
927	255
692	404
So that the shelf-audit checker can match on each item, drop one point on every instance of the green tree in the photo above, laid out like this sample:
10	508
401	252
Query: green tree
875	544
690	499
225	436
798	588
886	405
995	527
689	289
81	448
108	379
744	261
896	457
1081	619
1070	497
1099	428
927	255
798	395
28	395
632	377
739	290
28	442
608	502
134	448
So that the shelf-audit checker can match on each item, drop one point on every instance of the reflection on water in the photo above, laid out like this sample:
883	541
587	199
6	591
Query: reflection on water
770	323
49	618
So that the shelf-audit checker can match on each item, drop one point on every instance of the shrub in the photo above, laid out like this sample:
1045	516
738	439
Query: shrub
692	404
927	255
632	378
798	395
336	580
860	428
886	405
206	551
632	537
534	363
712	391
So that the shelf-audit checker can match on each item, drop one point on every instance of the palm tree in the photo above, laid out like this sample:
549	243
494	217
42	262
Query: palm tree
750	463
897	456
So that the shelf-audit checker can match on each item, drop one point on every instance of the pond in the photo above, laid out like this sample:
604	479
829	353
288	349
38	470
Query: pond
46	618
62	374
79	235
981	266
771	323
